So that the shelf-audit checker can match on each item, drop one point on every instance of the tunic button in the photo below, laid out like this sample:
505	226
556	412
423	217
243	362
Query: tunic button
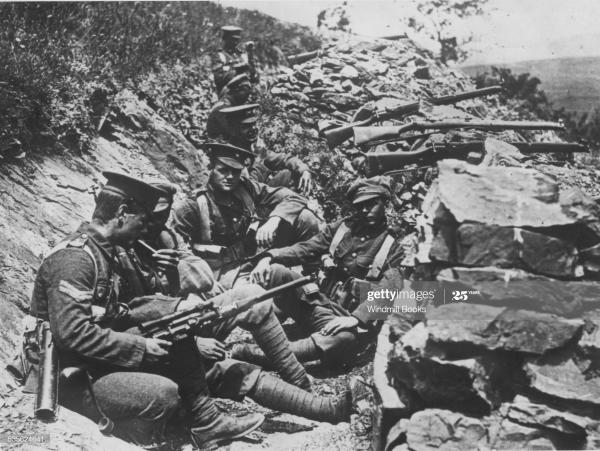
354	254
347	269
235	219
362	238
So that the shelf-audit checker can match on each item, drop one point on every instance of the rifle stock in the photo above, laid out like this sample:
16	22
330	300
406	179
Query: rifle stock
337	136
179	325
363	135
382	162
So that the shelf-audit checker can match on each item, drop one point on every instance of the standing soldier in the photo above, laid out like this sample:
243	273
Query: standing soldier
269	167
357	253
222	223
126	372
231	61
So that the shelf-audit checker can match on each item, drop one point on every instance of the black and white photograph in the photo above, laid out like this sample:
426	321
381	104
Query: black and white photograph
300	225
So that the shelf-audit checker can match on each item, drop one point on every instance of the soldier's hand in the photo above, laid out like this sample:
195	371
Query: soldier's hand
210	349
305	183
328	263
261	274
166	259
156	349
338	324
265	235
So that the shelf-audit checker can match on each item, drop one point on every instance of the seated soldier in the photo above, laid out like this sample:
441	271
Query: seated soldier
222	223
269	167
231	60
129	378
358	250
229	378
235	92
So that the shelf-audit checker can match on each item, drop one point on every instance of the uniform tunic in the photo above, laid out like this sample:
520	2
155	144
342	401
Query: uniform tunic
223	63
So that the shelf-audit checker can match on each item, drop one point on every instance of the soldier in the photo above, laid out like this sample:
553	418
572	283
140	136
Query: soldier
357	252
128	379
236	92
165	272
271	168
222	223
231	61
226	377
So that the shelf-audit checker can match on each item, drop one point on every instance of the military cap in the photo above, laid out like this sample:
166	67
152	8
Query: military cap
141	192
232	156
229	30
242	114
367	189
166	199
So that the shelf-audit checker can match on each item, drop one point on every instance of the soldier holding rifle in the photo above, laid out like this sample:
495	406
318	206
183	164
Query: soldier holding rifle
129	380
231	61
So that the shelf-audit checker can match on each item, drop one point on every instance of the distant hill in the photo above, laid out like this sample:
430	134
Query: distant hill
573	83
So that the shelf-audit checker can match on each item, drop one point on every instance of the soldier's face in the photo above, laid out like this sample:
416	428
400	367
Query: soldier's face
133	226
241	93
159	219
231	41
249	132
225	178
370	212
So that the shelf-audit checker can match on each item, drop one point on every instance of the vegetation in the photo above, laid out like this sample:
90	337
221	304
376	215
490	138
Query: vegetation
522	93
59	62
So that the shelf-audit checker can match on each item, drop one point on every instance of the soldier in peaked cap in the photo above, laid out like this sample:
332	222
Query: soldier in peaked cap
231	60
237	125
234	215
129	381
358	252
236	92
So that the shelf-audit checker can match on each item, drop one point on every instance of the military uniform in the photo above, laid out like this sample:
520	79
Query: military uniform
230	62
364	257
208	220
139	396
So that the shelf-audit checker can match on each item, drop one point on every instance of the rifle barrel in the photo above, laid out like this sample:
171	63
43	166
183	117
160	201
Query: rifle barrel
363	135
46	401
447	100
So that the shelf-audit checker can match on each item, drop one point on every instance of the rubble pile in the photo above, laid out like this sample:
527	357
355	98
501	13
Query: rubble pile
509	358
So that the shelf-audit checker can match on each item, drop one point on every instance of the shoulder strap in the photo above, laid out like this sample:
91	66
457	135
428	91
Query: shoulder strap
381	257
340	233
205	216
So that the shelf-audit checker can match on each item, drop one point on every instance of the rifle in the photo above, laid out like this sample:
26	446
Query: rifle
300	58
338	135
382	162
364	135
447	100
46	401
179	325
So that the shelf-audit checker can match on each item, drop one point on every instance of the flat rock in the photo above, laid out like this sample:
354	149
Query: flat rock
560	377
496	328
349	72
527	413
517	288
502	196
473	244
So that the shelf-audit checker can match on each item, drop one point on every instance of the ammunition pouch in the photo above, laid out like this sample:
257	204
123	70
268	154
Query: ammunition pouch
347	294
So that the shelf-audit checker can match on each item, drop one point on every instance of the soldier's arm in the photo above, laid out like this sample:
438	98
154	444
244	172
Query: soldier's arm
276	161
281	202
70	283
188	222
304	251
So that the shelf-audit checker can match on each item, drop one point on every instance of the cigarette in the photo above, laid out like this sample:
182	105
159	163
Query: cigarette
147	246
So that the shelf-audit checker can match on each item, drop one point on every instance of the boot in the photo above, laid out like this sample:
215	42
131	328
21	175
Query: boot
271	338
225	428
273	393
305	350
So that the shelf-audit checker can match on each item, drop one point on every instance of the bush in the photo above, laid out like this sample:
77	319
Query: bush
56	57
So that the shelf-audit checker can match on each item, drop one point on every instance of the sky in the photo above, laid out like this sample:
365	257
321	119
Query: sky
514	30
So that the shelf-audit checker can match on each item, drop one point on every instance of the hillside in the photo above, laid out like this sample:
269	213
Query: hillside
572	83
145	125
